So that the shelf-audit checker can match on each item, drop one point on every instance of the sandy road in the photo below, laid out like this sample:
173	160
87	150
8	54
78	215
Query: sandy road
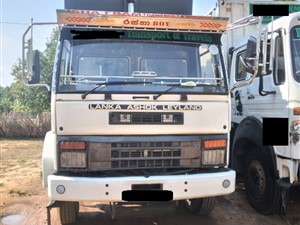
22	195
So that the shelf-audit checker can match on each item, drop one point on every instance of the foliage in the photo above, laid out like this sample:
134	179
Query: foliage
6	100
47	58
18	97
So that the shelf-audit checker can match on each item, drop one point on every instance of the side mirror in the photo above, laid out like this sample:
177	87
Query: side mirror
250	56
251	48
34	68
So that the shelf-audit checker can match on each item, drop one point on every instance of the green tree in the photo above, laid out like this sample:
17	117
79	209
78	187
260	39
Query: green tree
6	100
47	58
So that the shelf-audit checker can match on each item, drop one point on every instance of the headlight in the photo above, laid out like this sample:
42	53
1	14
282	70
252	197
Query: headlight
72	154
213	152
73	159
213	157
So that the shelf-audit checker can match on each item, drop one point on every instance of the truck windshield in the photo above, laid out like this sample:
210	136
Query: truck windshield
295	36
85	63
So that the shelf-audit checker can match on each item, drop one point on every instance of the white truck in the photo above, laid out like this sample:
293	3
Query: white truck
266	159
140	110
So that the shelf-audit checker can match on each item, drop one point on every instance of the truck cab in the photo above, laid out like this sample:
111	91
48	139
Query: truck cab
268	168
140	111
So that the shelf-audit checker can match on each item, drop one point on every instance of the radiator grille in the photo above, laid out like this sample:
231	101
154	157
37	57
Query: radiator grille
143	155
145	118
145	163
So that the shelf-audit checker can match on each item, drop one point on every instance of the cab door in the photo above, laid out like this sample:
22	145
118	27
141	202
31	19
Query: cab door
271	105
239	100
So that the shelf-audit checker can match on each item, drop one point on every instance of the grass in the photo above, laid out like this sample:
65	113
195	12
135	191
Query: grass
21	162
17	191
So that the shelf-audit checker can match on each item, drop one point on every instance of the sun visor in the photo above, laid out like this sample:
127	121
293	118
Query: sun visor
183	7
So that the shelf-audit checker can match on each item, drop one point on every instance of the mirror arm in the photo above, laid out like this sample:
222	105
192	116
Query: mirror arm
40	85
258	42
245	82
271	47
23	49
265	42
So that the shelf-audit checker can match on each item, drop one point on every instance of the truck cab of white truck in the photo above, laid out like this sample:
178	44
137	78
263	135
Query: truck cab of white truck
140	111
267	165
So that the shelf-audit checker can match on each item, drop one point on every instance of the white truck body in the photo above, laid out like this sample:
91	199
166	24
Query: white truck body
89	120
250	107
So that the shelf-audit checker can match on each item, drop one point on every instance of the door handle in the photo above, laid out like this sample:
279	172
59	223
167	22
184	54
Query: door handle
251	96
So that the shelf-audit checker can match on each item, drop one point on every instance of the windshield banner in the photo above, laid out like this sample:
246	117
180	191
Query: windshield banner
141	20
205	38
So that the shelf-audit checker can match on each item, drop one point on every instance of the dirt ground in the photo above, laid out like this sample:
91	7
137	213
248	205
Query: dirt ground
23	199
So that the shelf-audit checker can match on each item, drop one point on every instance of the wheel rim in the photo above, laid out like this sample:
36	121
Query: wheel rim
256	179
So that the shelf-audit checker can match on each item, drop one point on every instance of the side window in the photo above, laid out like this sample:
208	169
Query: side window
279	68
205	62
65	67
210	64
240	73
65	59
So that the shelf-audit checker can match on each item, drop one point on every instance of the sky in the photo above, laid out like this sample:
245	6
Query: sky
15	17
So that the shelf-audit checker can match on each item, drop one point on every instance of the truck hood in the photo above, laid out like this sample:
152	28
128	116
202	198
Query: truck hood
119	116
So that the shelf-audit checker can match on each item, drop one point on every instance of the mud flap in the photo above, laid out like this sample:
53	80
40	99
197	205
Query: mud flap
284	185
112	210
52	204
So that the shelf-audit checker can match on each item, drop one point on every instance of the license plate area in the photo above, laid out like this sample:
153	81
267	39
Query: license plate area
147	195
146	187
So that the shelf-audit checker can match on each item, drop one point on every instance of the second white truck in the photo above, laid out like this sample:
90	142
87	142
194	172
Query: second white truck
265	134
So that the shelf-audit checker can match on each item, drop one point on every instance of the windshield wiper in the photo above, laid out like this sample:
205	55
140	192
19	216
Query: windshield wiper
110	83
173	86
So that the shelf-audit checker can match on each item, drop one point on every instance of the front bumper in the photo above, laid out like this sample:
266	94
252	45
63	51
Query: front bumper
111	188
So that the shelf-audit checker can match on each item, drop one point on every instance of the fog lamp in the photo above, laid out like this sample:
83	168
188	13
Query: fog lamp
226	184
60	189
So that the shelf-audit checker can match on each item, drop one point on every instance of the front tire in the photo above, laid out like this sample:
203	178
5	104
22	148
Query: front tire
68	212
262	191
200	206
